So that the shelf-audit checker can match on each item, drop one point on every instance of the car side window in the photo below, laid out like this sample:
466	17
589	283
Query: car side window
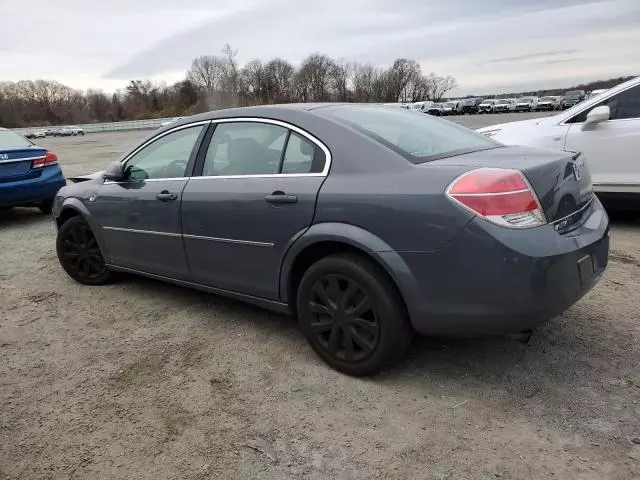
624	105
166	157
302	156
245	148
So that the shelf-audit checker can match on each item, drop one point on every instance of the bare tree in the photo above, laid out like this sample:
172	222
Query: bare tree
220	81
439	86
279	80
205	73
99	106
399	76
339	80
254	81
230	76
315	72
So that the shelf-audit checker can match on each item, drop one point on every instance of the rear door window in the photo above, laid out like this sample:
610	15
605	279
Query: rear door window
245	148
302	156
255	148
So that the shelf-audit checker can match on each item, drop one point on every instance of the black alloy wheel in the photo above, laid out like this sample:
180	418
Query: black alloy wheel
345	318
352	315
79	253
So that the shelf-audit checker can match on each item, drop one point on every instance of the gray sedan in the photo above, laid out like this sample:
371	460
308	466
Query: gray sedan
368	223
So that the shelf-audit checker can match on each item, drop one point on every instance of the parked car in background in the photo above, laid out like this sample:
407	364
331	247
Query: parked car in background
62	132
451	108
170	121
470	105
487	105
471	238
76	130
605	128
35	134
526	104
435	109
573	97
29	175
593	93
422	106
549	104
504	105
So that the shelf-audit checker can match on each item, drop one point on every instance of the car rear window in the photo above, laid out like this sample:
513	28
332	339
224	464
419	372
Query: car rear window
417	137
10	139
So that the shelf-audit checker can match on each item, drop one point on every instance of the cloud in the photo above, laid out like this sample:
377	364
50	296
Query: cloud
484	44
528	57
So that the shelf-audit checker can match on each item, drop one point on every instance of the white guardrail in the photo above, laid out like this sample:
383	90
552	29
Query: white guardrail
106	127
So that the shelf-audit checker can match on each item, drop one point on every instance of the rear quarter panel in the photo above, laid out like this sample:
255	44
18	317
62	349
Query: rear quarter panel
406	209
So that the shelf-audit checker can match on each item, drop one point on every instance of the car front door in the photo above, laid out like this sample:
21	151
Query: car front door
139	217
611	147
257	193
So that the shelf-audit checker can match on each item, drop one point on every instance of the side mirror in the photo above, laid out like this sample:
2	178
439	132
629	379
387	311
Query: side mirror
595	116
114	172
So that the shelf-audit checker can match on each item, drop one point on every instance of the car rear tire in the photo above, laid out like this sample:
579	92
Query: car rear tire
79	253
46	206
352	315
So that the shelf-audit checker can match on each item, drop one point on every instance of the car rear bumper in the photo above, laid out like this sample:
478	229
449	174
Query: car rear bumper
34	190
492	280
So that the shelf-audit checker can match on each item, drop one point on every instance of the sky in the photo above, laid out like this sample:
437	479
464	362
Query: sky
490	46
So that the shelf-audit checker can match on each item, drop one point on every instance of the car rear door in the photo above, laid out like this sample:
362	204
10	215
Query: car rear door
257	193
140	216
611	147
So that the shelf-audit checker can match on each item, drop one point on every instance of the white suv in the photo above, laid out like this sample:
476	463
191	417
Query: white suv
605	128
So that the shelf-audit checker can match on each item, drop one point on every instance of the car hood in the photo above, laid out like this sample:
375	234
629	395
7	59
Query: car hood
519	125
85	178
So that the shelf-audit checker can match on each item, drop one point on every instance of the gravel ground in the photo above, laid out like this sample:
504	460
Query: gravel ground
149	381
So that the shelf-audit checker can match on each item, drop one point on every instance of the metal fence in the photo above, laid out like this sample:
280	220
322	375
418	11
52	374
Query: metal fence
108	127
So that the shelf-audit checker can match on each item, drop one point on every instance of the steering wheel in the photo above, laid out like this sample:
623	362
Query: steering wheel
175	169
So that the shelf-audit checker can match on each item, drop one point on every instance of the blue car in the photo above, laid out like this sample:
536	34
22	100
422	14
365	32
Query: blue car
29	174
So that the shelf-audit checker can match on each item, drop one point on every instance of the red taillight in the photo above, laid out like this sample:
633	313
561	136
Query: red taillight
501	196
49	159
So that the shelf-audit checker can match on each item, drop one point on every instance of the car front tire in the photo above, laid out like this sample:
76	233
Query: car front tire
79	253
352	315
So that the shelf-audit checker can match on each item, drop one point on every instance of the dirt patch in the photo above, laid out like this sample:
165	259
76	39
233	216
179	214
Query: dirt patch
621	257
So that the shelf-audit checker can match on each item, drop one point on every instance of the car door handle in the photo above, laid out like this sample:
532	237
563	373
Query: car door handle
166	196
278	197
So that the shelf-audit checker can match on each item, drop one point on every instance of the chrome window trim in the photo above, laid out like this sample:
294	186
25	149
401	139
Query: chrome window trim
593	104
163	134
280	123
110	182
293	128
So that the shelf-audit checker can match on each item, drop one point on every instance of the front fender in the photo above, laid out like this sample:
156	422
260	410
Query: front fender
77	205
355	237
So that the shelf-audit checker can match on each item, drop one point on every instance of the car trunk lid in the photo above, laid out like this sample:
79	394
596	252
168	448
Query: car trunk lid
16	163
561	180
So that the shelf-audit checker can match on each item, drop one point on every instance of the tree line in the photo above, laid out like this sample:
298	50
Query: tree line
219	81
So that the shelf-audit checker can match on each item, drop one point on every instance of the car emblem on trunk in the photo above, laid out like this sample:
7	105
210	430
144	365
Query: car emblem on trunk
4	156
